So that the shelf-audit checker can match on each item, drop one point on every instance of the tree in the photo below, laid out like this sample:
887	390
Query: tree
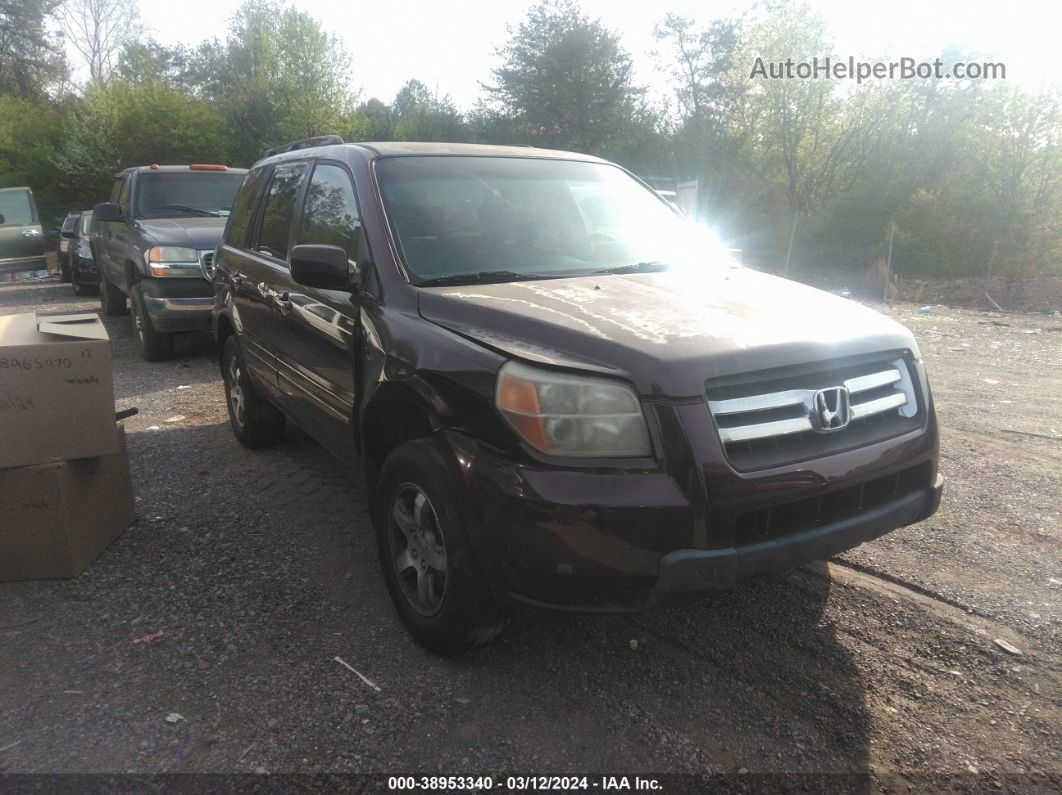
277	77
31	60
148	63
99	30
565	81
421	116
120	125
371	121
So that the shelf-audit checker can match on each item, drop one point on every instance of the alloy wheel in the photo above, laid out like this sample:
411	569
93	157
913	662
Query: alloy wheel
418	551
236	397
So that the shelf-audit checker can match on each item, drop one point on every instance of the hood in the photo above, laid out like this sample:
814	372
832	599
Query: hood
198	233
665	332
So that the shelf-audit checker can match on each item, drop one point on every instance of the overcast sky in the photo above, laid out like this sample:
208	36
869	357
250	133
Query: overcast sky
451	46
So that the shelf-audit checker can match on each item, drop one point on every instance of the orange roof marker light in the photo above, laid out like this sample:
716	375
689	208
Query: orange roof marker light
154	165
208	167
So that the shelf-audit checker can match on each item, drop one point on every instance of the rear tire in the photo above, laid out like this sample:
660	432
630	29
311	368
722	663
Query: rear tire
429	566
255	421
153	345
111	298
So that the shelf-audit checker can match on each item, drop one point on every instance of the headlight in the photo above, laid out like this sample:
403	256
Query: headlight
173	262
573	415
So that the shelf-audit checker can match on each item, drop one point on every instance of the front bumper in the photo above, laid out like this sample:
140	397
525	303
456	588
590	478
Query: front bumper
624	540
699	570
178	304
86	272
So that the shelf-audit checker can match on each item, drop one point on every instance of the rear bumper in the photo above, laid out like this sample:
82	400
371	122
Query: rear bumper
178	304
700	570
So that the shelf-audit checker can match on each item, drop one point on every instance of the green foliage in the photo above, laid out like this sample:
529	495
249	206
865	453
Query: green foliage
122	125
31	59
969	172
278	77
565	81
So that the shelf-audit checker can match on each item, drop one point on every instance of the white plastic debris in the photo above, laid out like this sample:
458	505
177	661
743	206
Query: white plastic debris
184	386
173	717
153	428
990	381
174	418
1007	647
358	674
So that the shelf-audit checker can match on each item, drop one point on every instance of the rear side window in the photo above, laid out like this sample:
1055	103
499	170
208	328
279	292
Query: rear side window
16	208
275	230
330	213
70	223
243	208
123	196
86	224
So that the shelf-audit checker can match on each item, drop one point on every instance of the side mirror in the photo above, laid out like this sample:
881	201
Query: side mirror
324	267
108	211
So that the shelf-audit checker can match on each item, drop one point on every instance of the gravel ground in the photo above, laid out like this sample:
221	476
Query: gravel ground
260	568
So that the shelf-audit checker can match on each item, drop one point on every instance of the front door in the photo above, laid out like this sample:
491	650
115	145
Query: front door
317	331
22	242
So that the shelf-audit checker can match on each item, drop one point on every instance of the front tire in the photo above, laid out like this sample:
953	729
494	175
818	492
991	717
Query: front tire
255	421
111	298
429	566
153	345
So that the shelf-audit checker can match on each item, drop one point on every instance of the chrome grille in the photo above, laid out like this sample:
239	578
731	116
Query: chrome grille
774	418
206	264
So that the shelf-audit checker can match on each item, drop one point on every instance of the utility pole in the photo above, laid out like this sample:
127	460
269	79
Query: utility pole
888	264
792	234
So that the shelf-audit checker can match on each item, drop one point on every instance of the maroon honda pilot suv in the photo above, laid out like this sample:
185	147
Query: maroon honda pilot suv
562	392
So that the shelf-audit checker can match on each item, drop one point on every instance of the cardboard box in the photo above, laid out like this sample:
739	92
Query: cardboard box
57	518
56	389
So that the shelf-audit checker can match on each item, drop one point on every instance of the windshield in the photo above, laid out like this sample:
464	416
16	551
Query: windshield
16	208
186	194
463	219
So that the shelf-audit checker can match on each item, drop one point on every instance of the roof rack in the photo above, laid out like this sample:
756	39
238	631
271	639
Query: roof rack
305	143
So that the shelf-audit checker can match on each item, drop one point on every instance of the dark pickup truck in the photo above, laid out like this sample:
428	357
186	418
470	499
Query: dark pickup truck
563	392
154	241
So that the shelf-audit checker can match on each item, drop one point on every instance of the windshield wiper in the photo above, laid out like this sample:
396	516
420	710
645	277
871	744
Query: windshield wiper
649	266
187	209
484	277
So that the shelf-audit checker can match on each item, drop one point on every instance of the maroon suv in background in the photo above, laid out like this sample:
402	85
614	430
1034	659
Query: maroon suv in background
562	391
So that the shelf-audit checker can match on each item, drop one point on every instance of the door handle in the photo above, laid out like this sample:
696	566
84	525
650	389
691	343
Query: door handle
283	304
237	280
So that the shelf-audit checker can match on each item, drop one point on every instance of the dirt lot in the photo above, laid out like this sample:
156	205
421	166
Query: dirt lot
260	568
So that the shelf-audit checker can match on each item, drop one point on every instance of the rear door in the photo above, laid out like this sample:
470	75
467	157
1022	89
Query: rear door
22	242
258	271
314	345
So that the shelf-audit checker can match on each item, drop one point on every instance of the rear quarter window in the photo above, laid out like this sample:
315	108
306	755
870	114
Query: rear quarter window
279	210
243	209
